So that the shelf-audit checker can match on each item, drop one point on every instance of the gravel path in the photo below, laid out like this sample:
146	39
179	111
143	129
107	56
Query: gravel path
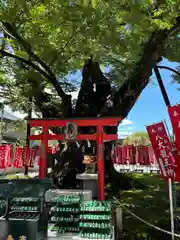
19	172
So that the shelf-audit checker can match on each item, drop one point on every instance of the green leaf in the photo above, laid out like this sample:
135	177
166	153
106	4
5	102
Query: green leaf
63	35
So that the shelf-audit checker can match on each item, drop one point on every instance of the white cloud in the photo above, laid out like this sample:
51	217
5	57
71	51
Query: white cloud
123	134
126	122
125	129
125	125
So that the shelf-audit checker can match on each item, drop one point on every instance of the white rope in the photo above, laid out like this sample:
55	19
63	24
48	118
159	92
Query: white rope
65	147
145	222
88	144
77	144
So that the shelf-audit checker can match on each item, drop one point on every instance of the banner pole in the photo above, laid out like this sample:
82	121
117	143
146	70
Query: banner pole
174	181
168	104
171	207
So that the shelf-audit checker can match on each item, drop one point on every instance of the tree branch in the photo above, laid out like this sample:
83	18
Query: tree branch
122	102
66	44
44	101
29	63
170	69
66	105
28	49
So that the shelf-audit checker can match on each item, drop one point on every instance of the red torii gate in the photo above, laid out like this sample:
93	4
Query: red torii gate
99	137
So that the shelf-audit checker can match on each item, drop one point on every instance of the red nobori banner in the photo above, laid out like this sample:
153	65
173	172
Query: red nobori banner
178	166
133	155
26	156
143	155
18	157
152	157
130	152
5	156
117	155
174	113
162	149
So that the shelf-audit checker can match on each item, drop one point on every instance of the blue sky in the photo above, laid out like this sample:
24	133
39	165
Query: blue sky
150	107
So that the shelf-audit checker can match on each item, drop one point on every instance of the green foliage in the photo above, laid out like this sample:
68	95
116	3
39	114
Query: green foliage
63	33
176	78
140	138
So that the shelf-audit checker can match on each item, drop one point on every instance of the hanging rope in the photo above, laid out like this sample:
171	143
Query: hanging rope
65	147
144	221
77	144
88	144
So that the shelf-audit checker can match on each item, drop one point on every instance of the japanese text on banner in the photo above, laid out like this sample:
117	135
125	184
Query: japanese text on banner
162	149
174	113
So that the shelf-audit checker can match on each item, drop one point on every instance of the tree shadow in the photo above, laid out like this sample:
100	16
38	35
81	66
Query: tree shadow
147	198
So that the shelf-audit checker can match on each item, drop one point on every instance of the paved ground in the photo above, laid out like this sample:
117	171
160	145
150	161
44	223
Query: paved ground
16	170
136	168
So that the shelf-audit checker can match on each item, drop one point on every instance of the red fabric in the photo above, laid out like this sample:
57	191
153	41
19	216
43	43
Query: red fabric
49	150
119	155
114	155
33	156
39	156
5	156
152	157
123	155
39	160
2	156
126	154
131	154
53	149
178	167
143	155
19	157
9	155
162	149
174	113
26	157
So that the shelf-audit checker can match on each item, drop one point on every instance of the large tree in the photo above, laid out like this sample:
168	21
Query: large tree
44	42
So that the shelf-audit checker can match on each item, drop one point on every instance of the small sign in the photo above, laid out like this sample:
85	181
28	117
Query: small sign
71	131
